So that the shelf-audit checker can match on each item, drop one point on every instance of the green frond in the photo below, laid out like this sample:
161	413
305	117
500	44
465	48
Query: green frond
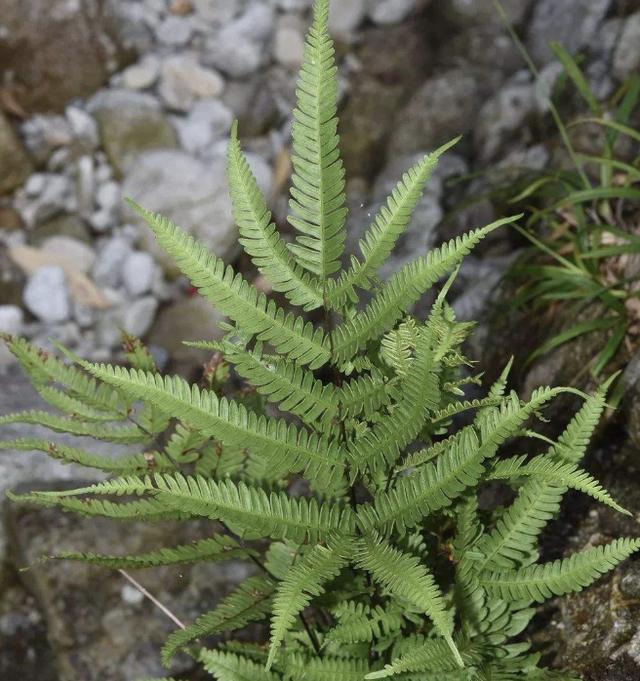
74	407
234	297
541	582
397	295
212	550
295	389
405	577
298	666
556	472
230	422
433	487
359	622
317	202
248	602
431	656
388	226
231	667
398	345
259	235
365	394
137	353
119	465
120	435
304	580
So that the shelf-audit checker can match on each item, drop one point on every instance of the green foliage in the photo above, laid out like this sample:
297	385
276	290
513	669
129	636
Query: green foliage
357	505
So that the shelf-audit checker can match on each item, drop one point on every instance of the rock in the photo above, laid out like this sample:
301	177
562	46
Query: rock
142	74
471	13
289	43
95	633
10	219
62	225
11	319
192	194
175	31
184	80
15	163
345	17
238	48
83	126
219	12
107	270
56	194
44	134
626	60
254	103
78	253
138	317
12	280
502	117
129	124
572	23
60	50
138	272
109	201
189	319
423	124
389	11
208	121
46	295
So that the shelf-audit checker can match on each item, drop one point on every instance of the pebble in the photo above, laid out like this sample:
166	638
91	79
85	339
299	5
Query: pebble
109	196
143	74
107	270
208	121
83	126
389	11
346	16
46	295
139	315
11	319
138	272
219	12
55	195
289	42
626	58
184	80
79	255
175	31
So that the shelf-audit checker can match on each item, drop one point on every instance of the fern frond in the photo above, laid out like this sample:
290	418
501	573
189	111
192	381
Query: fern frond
213	550
405	577
230	667
120	465
397	295
541	582
120	435
259	235
388	226
230	422
365	394
359	622
317	202
248	602
234	297
298	666
74	407
304	580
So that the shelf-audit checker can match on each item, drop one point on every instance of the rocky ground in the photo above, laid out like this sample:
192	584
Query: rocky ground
101	99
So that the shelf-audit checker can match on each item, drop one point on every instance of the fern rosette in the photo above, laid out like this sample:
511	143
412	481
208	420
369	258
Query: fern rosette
353	576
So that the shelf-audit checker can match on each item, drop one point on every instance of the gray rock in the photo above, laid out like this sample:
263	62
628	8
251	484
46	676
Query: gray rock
60	49
238	48
345	17
78	253
62	225
46	295
109	200
184	80
208	121
83	126
192	194
626	60
14	161
293	5
138	317
501	117
573	23
389	11
219	12
254	103
473	13
11	319
138	271
130	123
56	195
288	44
142	74
175	31
107	270
44	134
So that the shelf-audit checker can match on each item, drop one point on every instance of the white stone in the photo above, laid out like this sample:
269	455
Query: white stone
293	5
46	295
138	317
626	58
131	595
143	74
11	319
79	255
208	121
346	16
107	269
389	11
219	11
289	42
109	195
185	80
175	31
138	272
83	126
57	195
34	186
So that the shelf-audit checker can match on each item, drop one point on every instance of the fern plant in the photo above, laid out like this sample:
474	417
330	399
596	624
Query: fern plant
382	564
